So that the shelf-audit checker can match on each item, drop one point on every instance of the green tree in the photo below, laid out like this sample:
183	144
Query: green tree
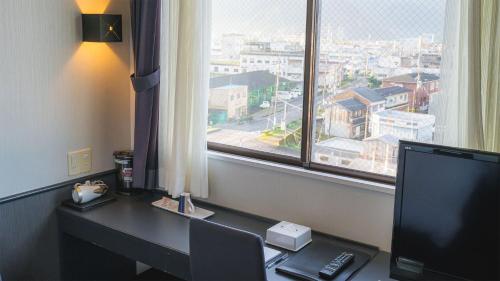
373	82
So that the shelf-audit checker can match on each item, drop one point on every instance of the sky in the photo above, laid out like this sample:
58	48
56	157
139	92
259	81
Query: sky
350	19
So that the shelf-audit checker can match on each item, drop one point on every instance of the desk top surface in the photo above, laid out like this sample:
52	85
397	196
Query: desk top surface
135	216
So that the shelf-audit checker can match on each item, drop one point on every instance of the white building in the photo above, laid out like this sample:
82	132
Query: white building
224	67
403	125
338	151
289	65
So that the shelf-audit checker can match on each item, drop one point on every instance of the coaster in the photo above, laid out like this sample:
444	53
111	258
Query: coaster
172	205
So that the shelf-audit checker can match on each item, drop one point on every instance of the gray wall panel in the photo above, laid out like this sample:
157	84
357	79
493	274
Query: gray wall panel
29	245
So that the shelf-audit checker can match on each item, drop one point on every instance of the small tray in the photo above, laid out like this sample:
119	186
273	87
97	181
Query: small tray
91	204
172	205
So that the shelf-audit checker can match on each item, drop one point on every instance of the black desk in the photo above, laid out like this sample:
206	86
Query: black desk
104	243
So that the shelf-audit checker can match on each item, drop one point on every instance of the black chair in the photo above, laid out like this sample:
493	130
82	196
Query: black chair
222	253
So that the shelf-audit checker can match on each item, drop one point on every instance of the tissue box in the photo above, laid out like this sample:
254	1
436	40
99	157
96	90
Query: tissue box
289	236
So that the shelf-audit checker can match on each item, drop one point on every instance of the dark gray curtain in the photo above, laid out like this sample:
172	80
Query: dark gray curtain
146	44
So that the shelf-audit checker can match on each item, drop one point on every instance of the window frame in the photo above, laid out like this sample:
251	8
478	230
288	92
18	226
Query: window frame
311	61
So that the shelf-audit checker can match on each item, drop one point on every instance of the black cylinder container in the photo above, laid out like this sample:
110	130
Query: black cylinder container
124	163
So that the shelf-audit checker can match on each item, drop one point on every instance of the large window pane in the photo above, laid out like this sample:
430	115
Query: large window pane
379	70
256	83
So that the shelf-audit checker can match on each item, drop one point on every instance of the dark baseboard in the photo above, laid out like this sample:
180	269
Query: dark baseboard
54	186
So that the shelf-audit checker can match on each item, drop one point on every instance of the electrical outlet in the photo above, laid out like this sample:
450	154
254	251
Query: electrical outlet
79	161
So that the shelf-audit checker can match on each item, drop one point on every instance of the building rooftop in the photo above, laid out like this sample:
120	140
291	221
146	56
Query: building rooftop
369	94
225	62
351	104
254	80
231	86
389	91
299	54
388	139
406	116
412	78
342	144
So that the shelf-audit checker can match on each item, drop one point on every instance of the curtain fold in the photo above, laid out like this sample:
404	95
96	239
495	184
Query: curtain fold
490	73
184	97
146	47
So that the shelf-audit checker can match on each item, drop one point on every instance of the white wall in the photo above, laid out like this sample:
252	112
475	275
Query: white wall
57	94
351	212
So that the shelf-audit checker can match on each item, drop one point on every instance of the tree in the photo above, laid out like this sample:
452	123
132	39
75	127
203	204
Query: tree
373	82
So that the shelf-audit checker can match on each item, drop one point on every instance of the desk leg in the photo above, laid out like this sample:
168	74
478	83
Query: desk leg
81	260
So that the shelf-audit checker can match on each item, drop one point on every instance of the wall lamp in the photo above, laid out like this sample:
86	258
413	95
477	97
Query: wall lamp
101	28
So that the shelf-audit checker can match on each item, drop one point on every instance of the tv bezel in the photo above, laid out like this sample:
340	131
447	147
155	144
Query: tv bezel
428	273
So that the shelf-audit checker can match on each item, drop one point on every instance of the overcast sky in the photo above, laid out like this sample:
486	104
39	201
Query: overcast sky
355	19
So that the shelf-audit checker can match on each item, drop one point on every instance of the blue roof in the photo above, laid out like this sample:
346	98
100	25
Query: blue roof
369	94
389	91
351	104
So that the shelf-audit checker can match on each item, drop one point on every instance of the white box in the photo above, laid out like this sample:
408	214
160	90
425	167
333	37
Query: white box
289	236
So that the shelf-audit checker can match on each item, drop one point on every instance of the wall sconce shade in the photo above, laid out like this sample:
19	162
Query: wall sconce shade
101	28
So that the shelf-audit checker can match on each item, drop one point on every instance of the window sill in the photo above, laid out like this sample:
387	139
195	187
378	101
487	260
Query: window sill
343	180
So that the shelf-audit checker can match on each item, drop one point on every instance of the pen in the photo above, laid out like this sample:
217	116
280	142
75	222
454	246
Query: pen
280	259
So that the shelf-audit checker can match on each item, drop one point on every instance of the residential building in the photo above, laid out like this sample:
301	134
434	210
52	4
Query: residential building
261	85
373	100
396	97
224	67
383	149
346	119
287	64
422	85
338	151
403	125
227	103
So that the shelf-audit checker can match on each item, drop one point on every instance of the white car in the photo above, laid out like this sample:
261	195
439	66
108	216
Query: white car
284	95
265	104
297	92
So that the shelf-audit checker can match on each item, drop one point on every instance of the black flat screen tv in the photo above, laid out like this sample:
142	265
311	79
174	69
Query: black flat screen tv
446	214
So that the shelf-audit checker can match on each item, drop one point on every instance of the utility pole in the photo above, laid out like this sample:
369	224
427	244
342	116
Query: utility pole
283	122
276	94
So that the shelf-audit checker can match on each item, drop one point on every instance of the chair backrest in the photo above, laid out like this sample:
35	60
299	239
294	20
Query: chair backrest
222	253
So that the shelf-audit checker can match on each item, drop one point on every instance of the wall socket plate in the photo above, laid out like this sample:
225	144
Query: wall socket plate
79	161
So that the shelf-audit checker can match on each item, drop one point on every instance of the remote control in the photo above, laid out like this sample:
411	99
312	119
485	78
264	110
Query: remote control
335	266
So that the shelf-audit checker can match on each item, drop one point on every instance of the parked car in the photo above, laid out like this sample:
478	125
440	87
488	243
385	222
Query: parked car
265	104
284	95
297	92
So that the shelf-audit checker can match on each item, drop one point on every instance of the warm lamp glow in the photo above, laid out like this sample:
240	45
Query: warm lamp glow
94	54
92	6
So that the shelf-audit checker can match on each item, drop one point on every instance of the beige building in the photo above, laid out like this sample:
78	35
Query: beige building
231	99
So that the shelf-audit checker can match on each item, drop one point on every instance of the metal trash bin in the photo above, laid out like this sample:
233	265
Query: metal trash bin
124	162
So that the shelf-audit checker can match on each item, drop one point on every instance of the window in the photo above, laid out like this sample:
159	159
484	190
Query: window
270	122
361	91
361	50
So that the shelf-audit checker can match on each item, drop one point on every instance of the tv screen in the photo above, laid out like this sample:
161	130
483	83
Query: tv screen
446	216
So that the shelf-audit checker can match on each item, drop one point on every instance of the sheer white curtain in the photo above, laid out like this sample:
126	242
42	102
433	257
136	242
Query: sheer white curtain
458	106
468	108
185	41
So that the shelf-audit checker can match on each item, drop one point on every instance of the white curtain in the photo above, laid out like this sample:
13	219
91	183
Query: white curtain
468	108
458	106
185	41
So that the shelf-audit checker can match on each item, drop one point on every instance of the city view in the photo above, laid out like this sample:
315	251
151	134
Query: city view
377	80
